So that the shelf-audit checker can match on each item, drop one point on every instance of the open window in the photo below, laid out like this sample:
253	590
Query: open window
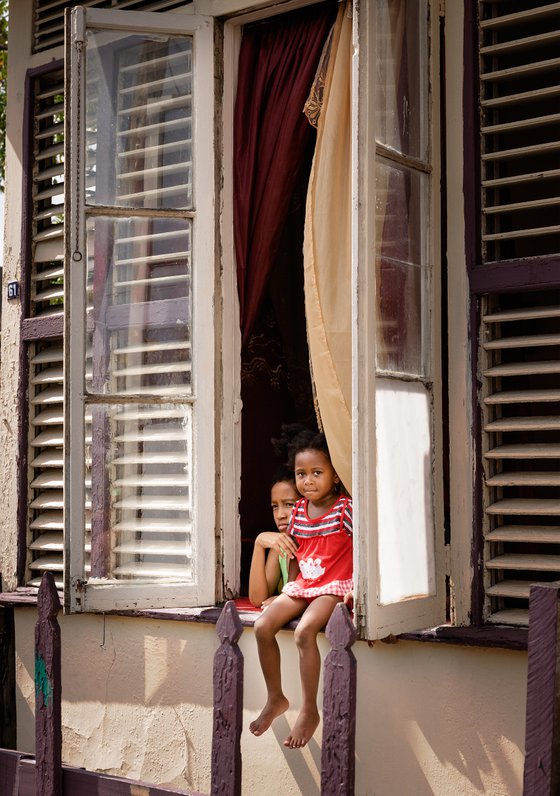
139	333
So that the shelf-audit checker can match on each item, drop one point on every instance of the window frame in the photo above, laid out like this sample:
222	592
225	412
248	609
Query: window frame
81	595
375	620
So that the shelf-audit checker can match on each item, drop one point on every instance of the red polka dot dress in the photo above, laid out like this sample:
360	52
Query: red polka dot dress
325	550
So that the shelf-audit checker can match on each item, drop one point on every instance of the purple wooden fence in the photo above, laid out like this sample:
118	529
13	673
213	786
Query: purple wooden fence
45	775
339	707
542	732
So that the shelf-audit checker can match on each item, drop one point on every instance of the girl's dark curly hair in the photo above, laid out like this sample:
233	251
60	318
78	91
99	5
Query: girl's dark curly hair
295	438
283	473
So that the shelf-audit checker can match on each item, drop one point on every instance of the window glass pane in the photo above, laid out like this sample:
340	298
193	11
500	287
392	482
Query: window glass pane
401	272
139	465
401	90
139	306
139	120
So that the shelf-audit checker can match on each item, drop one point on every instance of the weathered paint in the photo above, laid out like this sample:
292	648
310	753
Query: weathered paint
339	708
542	763
228	705
140	706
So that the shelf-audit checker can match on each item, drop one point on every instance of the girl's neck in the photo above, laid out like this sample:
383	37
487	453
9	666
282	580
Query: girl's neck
318	508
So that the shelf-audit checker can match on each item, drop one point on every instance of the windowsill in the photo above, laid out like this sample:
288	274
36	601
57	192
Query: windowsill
493	636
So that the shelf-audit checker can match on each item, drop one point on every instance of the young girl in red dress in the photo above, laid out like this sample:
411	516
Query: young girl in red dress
321	523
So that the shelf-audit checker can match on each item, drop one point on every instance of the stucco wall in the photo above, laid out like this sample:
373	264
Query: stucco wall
432	719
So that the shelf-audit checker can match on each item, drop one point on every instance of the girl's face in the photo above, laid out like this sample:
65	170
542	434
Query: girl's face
283	497
316	478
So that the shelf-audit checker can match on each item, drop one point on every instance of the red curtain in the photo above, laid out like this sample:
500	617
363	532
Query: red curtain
277	64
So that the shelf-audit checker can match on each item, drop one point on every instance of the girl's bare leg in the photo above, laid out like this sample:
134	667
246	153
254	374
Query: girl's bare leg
316	616
277	614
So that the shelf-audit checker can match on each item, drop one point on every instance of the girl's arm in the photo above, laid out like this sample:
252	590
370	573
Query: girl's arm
265	570
293	569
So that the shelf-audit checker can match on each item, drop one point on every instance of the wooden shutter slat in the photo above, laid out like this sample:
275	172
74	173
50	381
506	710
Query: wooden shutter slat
169	526
511	588
522	396
154	503
534	204
545	423
146	481
50	417
544	563
170	190
522	342
532	451
152	570
159	547
525	533
521	124
52	479
146	370
155	127
523	233
546	92
179	345
527	506
48	541
510	616
523	70
522	369
522	314
153	259
521	17
157	149
527	42
519	179
531	478
523	152
160	82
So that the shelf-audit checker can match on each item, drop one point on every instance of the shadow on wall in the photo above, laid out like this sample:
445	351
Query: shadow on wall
439	720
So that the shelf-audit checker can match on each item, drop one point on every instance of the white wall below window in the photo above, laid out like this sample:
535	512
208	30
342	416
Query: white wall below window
432	719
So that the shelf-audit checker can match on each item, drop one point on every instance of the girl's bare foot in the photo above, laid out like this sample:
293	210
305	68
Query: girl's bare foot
306	724
271	711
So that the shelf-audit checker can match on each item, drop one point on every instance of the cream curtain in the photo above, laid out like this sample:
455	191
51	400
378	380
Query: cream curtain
327	253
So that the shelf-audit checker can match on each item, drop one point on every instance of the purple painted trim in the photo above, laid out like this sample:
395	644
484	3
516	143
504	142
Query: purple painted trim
7	682
45	328
492	636
542	738
48	691
228	705
89	783
508	275
503	637
477	557
30	328
339	707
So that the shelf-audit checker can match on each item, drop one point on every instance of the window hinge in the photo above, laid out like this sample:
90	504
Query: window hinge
441	8
78	26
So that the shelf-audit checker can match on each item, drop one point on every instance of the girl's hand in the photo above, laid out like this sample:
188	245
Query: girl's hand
349	600
285	545
269	600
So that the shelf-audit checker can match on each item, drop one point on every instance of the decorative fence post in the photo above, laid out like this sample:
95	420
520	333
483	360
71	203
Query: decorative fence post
228	705
48	731
542	731
339	707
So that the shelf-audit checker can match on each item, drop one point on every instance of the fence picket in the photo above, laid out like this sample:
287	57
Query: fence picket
48	690
542	727
228	705
339	707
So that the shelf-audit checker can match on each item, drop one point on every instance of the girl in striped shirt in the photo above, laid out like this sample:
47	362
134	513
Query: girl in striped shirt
321	523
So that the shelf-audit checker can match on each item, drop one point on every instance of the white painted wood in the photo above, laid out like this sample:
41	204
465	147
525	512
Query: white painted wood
195	579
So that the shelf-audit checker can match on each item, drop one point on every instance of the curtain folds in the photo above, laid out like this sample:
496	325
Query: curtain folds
277	64
327	253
